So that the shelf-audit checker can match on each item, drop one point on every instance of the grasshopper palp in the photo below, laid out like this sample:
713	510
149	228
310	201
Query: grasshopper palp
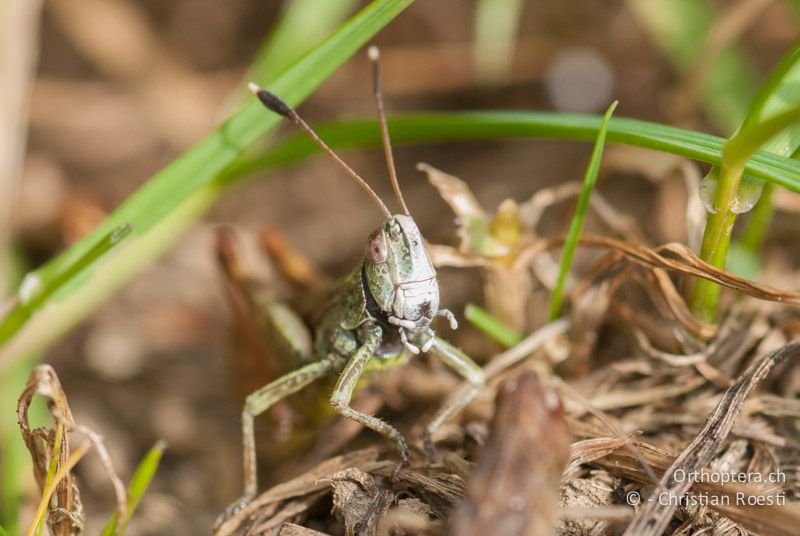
379	316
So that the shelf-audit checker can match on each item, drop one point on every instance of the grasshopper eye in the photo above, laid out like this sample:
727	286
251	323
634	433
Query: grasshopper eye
376	248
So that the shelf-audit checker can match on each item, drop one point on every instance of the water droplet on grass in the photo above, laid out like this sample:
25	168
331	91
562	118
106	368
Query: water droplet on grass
747	195
708	191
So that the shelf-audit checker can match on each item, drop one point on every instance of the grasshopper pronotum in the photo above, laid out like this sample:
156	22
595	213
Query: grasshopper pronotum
379	316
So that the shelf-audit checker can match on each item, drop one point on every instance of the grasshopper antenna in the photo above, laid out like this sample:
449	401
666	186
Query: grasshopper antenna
374	56
281	108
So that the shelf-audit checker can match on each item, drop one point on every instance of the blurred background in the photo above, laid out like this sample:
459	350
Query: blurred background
98	95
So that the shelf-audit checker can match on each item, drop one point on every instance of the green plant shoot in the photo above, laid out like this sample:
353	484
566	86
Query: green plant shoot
492	327
140	481
571	243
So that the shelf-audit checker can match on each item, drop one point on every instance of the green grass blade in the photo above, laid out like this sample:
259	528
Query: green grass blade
140	481
771	124
52	469
491	326
3	531
680	27
779	93
756	135
33	292
571	244
164	207
14	458
484	125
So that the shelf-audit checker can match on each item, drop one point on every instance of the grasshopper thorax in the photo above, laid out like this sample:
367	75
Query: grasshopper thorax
400	275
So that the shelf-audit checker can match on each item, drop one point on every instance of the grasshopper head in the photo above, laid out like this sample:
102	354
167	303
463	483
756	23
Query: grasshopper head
400	275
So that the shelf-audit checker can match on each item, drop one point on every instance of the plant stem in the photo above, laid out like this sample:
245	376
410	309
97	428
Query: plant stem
716	239
717	235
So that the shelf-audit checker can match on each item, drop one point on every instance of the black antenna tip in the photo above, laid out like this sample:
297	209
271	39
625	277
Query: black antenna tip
271	101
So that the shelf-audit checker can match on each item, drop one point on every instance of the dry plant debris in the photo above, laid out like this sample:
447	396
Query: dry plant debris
656	514
363	497
50	450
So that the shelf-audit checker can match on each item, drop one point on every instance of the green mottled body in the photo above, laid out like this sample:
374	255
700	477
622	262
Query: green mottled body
332	329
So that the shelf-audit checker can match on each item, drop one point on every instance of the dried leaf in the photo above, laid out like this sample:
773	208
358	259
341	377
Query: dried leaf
410	516
65	514
771	520
687	262
271	520
455	192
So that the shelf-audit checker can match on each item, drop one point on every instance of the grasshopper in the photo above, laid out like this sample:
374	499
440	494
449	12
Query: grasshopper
379	316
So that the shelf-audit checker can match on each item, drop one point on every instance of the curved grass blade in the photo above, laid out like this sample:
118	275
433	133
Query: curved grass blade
164	207
15	460
494	124
575	226
41	510
780	92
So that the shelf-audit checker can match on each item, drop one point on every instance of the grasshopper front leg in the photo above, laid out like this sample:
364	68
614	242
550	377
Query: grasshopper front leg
348	379
467	369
